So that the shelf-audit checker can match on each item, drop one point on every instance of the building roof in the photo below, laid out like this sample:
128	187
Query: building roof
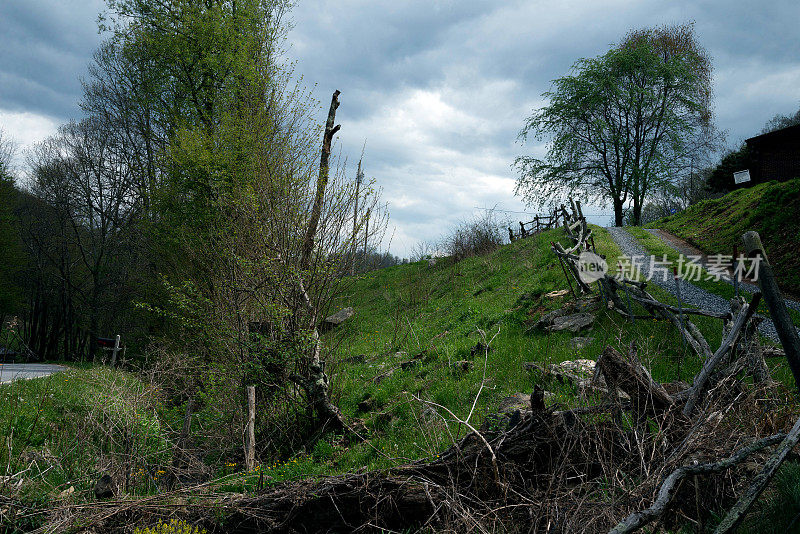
777	135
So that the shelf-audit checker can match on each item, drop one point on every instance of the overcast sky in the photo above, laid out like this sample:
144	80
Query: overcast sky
439	89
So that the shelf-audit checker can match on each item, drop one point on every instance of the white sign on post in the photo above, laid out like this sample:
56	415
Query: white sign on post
741	176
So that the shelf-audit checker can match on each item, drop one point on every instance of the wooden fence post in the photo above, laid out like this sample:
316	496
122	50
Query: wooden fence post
787	333
116	350
250	430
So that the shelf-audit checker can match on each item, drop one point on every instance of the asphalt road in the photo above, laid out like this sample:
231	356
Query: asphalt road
26	371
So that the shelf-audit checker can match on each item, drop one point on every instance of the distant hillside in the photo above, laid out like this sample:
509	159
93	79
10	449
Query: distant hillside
772	209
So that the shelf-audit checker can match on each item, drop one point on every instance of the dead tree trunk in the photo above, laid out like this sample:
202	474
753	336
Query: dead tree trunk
787	333
316	384
250	434
322	182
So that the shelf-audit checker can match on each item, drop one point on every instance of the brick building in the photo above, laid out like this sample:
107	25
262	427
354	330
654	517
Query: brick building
775	155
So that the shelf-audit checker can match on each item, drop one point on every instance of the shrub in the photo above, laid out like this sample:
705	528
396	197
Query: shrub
481	235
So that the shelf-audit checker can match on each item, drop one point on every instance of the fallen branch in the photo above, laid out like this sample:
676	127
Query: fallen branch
700	381
670	486
739	510
630	376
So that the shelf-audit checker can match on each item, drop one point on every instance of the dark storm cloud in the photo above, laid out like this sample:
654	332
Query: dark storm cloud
44	47
440	88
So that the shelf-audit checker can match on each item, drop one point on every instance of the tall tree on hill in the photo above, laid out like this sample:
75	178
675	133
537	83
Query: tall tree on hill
623	123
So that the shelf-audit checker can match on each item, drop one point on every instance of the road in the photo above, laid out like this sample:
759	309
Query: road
690	293
26	371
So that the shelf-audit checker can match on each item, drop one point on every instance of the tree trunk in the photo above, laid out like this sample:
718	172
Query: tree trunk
637	211
617	212
322	182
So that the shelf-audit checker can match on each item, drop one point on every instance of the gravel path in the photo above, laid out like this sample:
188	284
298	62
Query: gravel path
744	286
690	293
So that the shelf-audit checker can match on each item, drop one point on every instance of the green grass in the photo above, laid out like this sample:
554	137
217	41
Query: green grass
771	209
60	433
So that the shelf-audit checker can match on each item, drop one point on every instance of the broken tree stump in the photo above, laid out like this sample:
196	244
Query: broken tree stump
629	375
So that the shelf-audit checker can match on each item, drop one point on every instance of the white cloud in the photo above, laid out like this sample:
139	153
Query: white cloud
26	129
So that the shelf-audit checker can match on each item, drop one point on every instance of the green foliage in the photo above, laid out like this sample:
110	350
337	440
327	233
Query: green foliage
111	414
12	257
721	178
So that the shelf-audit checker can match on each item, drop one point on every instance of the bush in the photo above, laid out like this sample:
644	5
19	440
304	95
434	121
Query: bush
481	235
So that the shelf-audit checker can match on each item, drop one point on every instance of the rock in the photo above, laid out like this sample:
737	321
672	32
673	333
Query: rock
581	368
517	401
104	488
557	294
547	319
339	317
576	311
361	358
367	403
587	305
578	343
462	365
573	323
580	372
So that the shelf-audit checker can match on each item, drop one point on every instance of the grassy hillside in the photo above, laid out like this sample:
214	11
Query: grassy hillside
392	373
433	316
771	209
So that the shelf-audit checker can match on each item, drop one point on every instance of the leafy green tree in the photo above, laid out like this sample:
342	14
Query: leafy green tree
243	267
779	122
622	124
12	257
